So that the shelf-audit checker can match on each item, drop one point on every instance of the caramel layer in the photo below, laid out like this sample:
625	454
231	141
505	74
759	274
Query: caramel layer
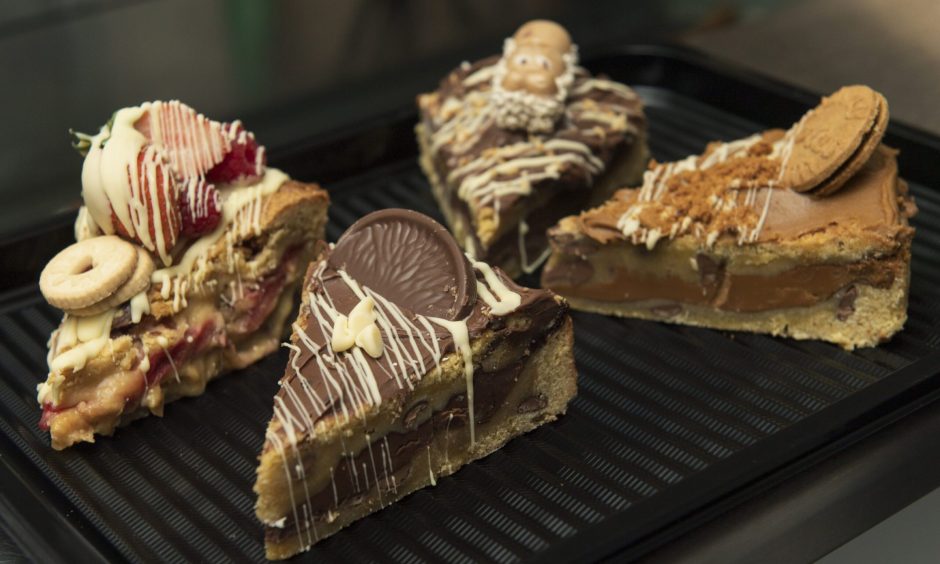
799	286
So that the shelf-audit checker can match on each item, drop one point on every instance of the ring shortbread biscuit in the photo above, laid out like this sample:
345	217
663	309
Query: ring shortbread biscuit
137	283
87	272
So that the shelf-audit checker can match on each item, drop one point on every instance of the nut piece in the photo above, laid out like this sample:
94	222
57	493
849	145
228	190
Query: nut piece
358	329
87	272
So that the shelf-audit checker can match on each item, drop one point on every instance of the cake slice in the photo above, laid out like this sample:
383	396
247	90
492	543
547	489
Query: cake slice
512	144
189	253
802	234
407	361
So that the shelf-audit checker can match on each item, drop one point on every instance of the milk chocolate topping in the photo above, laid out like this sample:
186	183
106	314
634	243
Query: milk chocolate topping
319	382
411	260
869	201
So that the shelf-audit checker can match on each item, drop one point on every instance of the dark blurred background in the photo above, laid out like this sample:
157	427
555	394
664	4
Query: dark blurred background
293	68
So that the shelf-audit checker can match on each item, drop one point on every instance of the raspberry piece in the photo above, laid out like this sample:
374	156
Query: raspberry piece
245	159
200	208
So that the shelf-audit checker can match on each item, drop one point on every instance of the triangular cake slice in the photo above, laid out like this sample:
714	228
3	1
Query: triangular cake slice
801	233
511	144
189	253
407	361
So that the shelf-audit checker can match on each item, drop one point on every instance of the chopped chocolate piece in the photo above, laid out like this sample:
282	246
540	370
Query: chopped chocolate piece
846	305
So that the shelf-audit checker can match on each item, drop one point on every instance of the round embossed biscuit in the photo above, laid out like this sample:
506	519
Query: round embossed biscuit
829	135
861	156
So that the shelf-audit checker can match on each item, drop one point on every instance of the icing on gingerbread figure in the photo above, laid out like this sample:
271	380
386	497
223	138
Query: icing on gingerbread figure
532	78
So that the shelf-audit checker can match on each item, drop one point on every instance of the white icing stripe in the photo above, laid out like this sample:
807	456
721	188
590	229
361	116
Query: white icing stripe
595	83
481	76
430	468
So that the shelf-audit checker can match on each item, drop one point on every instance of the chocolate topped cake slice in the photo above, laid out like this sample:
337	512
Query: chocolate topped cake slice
511	144
801	233
407	361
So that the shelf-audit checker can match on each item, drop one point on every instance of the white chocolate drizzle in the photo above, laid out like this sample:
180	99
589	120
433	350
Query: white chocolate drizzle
77	339
517	168
655	182
242	210
495	293
524	263
458	331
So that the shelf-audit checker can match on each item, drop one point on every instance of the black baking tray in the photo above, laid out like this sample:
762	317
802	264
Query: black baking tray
672	425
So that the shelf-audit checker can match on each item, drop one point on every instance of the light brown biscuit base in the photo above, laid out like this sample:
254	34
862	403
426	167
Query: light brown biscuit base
857	161
829	135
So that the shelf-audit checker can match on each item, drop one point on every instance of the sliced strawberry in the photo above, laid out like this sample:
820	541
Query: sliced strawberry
200	208
245	159
152	216
191	142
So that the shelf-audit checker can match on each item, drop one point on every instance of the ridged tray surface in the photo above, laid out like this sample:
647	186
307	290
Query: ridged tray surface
656	405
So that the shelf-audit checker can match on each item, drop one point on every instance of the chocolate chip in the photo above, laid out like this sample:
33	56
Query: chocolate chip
846	306
710	271
532	403
410	420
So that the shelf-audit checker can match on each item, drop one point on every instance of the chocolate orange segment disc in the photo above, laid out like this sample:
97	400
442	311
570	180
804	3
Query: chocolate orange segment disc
410	260
829	135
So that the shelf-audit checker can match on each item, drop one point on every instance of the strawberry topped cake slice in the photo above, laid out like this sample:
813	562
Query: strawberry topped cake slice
188	256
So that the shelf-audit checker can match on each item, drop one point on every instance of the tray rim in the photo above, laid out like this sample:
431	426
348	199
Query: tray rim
860	414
